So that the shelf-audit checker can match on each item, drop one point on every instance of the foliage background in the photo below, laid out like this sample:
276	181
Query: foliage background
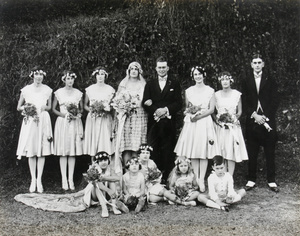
220	35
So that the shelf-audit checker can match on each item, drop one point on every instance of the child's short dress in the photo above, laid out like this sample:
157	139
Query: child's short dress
98	130
184	187
230	139
153	185
198	140
135	128
36	134
221	187
68	134
133	183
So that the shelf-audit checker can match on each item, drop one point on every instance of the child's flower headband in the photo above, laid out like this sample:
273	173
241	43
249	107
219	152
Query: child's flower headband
72	75
146	147
200	69
37	72
226	77
180	160
98	72
102	156
133	161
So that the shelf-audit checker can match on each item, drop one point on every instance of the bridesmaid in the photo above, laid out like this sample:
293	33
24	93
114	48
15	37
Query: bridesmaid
35	141
98	127
135	127
68	132
198	139
229	132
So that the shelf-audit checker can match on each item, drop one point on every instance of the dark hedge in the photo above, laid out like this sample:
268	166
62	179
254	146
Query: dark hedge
220	35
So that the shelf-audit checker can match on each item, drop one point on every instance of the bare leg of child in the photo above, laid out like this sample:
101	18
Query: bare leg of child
102	202
209	203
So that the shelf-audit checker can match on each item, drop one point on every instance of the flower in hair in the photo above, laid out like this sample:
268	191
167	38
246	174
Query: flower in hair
72	75
229	77
133	161
146	147
102	155
200	69
37	72
180	160
98	72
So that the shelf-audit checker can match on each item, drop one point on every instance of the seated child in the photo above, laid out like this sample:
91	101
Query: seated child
154	190
220	187
133	184
101	182
182	183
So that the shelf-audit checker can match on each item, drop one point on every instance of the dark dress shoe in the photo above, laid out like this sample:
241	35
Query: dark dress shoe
248	188
274	189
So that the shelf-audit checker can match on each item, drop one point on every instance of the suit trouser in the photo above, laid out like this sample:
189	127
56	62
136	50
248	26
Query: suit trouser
258	136
161	136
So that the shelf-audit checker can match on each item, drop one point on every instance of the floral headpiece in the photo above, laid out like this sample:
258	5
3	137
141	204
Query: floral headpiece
37	72
98	72
102	155
133	161
72	75
146	147
200	69
226	77
180	160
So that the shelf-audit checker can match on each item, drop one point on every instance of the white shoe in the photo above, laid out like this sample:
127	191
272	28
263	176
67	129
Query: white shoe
39	186
71	184
116	211
104	213
190	203
65	185
32	186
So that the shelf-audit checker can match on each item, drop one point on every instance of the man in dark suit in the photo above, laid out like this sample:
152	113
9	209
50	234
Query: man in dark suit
260	102
162	100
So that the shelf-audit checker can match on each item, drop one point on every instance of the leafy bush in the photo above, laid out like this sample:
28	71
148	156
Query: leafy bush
220	35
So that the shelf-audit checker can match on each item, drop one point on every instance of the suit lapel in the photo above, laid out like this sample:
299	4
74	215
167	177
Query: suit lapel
166	88
252	83
263	81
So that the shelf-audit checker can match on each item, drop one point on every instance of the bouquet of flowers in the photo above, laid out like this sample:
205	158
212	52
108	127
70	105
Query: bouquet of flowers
99	108
181	190
191	109
226	119
30	111
73	111
92	174
154	174
125	103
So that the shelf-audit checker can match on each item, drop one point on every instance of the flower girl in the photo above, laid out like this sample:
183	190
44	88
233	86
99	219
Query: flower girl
101	182
154	189
68	132
98	127
198	140
228	128
35	141
182	183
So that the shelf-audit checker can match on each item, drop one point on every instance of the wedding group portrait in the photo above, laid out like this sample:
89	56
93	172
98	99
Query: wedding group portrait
159	117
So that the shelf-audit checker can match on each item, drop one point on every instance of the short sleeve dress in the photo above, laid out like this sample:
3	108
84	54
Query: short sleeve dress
68	135
133	183
198	140
36	134
230	139
98	130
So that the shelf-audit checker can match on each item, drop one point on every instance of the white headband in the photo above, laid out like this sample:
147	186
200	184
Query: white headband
37	72
72	75
98	72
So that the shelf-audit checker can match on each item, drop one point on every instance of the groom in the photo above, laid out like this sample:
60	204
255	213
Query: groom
260	102
162	100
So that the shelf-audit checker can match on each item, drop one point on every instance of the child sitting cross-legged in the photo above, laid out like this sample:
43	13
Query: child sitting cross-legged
101	182
133	185
182	183
220	187
154	189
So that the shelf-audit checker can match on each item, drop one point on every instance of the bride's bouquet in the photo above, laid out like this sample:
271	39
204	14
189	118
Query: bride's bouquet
30	111
99	108
73	111
125	103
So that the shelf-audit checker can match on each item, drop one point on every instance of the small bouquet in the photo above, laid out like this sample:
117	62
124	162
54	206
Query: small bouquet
30	111
125	103
99	108
181	191
191	109
92	174
226	119
154	175
73	111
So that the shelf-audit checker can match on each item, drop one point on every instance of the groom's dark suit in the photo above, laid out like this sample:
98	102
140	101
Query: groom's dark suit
257	135
161	134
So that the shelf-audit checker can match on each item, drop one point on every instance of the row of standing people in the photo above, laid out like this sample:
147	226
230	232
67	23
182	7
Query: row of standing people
199	140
